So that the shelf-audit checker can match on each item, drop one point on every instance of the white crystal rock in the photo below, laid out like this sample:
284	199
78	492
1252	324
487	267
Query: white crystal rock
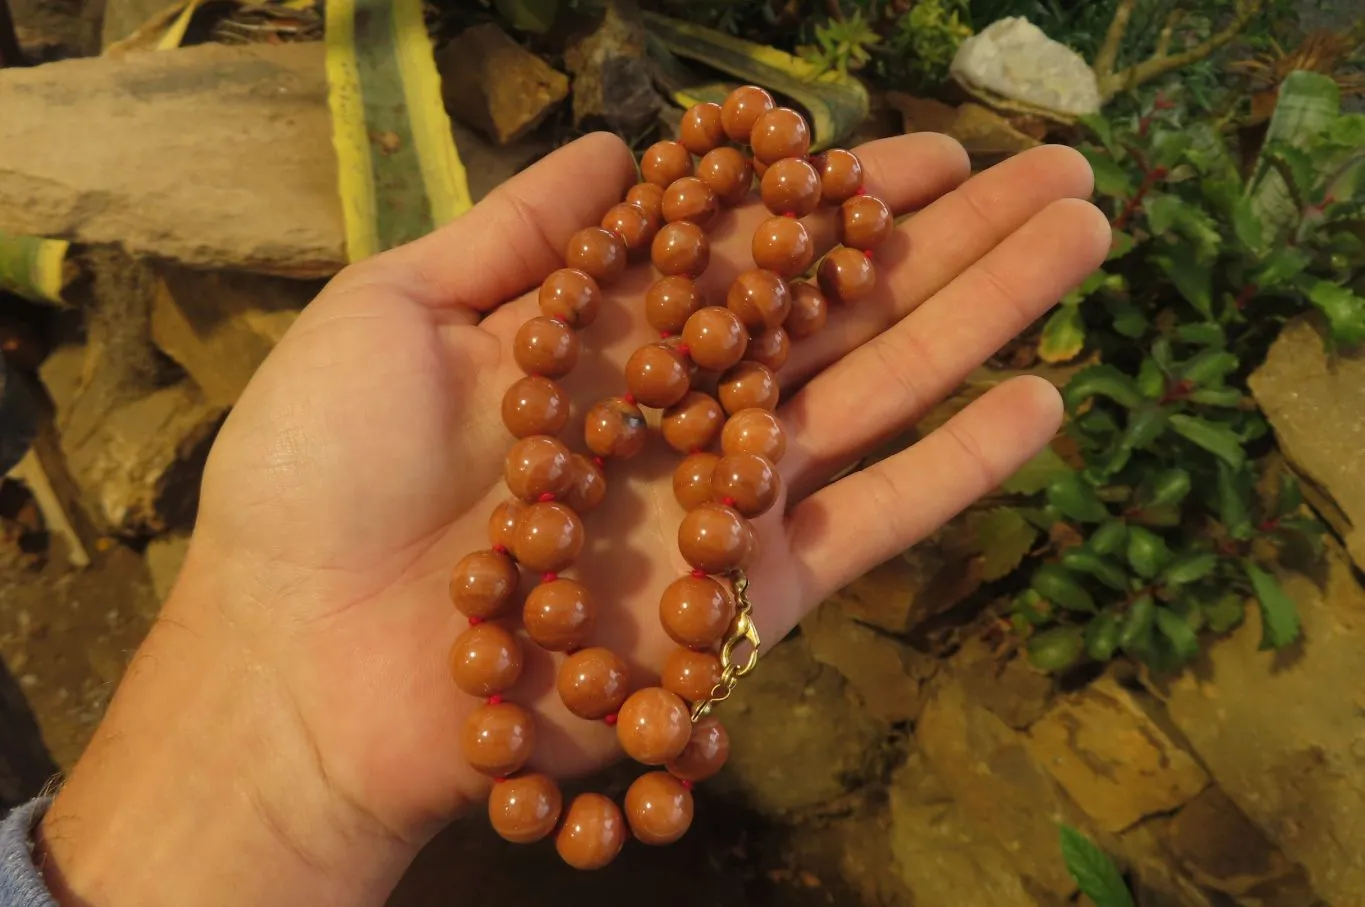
1012	59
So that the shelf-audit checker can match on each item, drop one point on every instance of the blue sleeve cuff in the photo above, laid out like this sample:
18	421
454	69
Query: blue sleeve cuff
21	885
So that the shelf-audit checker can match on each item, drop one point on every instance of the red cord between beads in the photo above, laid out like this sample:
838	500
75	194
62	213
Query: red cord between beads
788	213
684	349
698	572
499	779
868	254
687	785
728	501
610	720
599	462
546	498
475	621
629	398
549	576
500	549
860	191
664	335
495	699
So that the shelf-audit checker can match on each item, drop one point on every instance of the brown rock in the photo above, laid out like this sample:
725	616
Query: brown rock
910	588
1011	688
497	86
885	676
986	135
612	85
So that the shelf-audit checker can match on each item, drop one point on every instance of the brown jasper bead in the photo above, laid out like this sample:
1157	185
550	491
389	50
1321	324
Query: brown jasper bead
760	299
599	253
633	224
729	174
535	405
790	187
656	375
570	295
650	199
754	431
549	537
742	109
692	423
663	162
653	726
691	675
559	615
593	683
846	275
537	466
782	245
749	384
714	538
715	338
498	739
780	133
589	486
701	129
546	347
670	301
747	482
809	311
502	524
525	808
615	427
485	659
658	808
692	479
770	348
592	833
680	248
841	175
695	611
483	583
864	222
692	200
705	753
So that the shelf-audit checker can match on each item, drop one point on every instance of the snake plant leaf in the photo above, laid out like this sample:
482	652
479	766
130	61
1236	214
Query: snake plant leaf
836	102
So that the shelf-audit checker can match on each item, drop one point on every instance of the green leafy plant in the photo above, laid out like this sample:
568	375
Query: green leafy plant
926	39
1163	535
841	44
1095	874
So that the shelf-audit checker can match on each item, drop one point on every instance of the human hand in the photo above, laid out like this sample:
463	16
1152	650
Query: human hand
364	458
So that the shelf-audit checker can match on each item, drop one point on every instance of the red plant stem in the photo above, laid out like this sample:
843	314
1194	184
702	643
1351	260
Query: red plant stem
1149	178
1247	293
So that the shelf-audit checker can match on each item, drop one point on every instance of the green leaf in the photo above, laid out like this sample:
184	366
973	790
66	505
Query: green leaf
1102	637
1076	500
1175	628
1039	472
1137	623
1147	552
1095	874
1167	487
1188	568
1206	333
1280	266
1246	226
1101	381
1063	335
1208	367
1129	320
1290	496
1172	214
1110	177
529	15
1224	612
1308	530
1217	396
1193	278
1055	649
1306	104
1217	439
1345	310
1057	585
1279	614
1161	515
1104	569
1108	538
1003	537
1151	380
1234	500
1120	244
1030	606
1101	127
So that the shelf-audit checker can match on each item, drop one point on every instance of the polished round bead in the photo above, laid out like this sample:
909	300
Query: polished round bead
749	384
670	301
525	809
790	187
692	479
485	659
691	200
782	245
559	616
841	175
701	129
650	199
656	375
549	537
498	738
535	406
653	726
592	834
593	683
729	174
537	466
692	423
747	482
503	522
809	311
754	431
483	583
714	538
715	337
695	611
780	133
760	299
691	675
633	224
600	253
546	347
680	248
770	348
846	275
665	162
589	486
615	427
864	222
572	296
658	808
705	752
742	109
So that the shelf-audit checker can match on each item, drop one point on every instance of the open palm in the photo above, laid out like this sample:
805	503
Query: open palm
363	460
